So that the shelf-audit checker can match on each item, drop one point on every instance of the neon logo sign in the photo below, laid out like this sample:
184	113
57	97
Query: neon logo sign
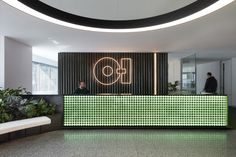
108	71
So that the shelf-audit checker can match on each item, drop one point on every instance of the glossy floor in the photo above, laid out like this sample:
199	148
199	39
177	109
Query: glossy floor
124	143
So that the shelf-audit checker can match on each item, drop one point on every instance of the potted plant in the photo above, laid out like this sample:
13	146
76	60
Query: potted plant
172	87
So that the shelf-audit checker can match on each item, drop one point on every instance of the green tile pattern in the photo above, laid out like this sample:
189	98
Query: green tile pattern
145	111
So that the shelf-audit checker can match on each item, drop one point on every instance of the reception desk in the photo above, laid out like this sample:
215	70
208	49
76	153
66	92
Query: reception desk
145	111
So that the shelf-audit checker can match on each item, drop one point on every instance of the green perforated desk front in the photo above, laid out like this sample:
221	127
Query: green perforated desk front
132	111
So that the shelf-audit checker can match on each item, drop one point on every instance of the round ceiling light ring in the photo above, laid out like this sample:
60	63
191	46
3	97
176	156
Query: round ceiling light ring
117	24
188	13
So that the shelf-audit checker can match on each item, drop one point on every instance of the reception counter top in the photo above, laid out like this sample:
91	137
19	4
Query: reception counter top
145	111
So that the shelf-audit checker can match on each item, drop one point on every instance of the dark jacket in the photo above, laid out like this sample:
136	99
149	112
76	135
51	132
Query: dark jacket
80	91
211	85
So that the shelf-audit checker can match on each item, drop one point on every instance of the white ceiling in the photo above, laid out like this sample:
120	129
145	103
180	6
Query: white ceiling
118	9
212	36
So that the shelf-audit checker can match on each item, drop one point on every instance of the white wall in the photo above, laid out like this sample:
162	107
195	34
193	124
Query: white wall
2	61
18	64
233	80
202	69
174	70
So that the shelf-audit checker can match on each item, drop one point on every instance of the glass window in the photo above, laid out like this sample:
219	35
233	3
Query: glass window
45	79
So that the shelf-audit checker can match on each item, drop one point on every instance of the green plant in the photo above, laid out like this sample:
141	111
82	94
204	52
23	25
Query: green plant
13	92
13	106
4	115
45	108
173	87
30	110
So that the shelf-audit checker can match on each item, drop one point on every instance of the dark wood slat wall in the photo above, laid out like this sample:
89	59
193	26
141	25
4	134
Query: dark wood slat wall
162	73
73	67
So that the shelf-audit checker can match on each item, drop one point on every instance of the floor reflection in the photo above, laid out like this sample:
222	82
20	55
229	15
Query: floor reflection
152	143
125	143
146	135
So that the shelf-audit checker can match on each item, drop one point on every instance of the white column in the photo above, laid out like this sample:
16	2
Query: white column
2	74
17	64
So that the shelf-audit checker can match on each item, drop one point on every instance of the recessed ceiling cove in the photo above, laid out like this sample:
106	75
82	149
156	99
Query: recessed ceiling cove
93	16
118	9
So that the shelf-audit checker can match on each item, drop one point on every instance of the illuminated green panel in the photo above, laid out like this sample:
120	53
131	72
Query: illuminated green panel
145	110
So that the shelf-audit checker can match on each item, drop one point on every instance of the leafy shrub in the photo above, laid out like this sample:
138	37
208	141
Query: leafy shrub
4	115
13	106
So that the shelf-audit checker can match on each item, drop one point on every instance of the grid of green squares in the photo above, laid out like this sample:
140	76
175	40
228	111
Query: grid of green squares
145	110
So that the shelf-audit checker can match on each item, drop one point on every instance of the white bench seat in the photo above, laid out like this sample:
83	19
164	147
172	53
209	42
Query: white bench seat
23	124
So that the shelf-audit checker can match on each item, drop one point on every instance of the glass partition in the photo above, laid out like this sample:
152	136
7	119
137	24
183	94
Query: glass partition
188	74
